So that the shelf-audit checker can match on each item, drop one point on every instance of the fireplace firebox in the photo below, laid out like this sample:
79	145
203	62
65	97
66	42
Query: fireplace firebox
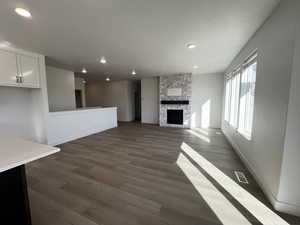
175	116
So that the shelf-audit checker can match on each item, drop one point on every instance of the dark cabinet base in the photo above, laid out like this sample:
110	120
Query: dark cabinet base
14	204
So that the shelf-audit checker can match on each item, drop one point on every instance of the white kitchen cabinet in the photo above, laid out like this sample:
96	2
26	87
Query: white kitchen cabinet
19	69
8	68
29	71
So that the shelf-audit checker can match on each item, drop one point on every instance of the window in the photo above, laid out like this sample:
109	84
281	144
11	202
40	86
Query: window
234	103
232	98
227	99
247	97
239	97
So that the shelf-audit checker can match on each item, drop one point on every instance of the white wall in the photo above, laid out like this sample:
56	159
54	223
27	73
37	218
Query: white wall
15	113
80	85
116	94
150	100
95	93
112	94
289	183
275	44
207	93
23	111
61	89
40	106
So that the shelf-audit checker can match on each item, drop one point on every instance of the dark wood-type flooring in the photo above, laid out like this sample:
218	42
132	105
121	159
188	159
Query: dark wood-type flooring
129	176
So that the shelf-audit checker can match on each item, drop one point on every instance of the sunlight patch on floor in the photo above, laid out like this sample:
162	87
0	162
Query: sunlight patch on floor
254	206
202	137
222	207
202	131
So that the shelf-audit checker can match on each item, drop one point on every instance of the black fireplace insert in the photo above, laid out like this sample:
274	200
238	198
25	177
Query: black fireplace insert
175	116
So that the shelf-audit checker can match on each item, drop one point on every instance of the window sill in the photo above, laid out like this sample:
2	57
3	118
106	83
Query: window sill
244	135
229	125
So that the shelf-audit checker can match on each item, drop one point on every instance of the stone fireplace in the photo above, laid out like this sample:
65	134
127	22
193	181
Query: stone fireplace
175	106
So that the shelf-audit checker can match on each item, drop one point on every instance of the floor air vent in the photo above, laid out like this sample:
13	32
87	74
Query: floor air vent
241	177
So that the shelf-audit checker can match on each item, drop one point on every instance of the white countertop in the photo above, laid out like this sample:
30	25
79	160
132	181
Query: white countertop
80	110
15	152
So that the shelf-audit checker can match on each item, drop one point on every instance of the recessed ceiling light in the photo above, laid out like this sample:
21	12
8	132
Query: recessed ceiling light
107	79
5	44
103	60
195	67
23	12
83	70
191	45
133	72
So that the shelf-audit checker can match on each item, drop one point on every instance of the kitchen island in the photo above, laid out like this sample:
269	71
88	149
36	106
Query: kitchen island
65	126
14	154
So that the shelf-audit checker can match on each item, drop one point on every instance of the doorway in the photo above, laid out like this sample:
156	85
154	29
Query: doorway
78	98
137	101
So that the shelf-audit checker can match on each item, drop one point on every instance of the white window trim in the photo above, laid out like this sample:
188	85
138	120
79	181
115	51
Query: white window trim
235	73
245	134
227	78
253	57
249	61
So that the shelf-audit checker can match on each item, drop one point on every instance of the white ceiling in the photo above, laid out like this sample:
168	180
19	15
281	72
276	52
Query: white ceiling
148	35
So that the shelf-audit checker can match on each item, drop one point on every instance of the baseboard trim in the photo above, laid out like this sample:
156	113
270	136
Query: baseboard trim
287	208
249	166
278	205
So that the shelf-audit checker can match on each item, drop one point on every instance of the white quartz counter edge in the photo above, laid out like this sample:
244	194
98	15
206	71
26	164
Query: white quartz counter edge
15	152
82	110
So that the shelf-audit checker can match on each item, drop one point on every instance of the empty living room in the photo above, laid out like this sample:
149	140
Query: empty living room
135	112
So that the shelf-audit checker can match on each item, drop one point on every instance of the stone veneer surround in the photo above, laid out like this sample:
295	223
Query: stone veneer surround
183	81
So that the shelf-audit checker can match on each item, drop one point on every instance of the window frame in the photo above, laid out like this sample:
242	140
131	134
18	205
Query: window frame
235	73
238	71
228	105
251	60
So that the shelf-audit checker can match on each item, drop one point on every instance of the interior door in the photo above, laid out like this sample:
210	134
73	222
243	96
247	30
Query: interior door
8	65
30	71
